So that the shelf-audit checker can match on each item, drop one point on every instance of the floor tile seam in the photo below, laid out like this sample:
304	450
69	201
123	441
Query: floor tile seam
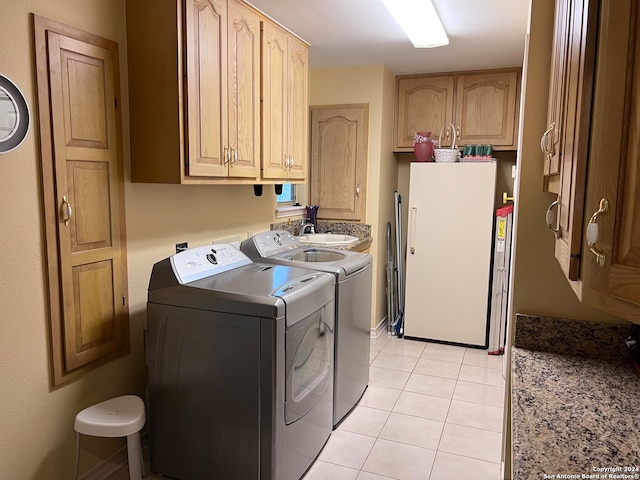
476	403
413	416
469	456
392	441
378	474
468	426
450	397
481	383
338	464
401	442
449	422
445	360
498	369
442	432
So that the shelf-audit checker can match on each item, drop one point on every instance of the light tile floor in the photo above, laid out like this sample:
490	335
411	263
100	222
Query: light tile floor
431	412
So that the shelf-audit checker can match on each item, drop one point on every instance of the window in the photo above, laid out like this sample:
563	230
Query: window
288	195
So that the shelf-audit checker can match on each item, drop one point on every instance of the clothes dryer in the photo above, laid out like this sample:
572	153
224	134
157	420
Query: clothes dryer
352	271
240	358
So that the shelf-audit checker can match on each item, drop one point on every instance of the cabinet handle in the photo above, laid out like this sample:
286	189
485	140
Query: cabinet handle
227	155
458	131
544	141
593	232
66	210
233	152
358	190
286	160
506	198
290	164
549	218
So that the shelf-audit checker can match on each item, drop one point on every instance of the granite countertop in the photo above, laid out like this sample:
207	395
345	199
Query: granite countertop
360	230
575	401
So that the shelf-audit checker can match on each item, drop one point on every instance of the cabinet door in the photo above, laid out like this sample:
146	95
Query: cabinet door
243	90
424	104
486	108
338	168
551	140
614	163
298	109
579	76
274	102
205	47
83	182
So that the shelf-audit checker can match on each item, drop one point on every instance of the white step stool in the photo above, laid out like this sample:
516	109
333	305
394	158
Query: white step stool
118	417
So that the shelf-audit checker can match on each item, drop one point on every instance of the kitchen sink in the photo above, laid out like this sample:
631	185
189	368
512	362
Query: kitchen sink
328	239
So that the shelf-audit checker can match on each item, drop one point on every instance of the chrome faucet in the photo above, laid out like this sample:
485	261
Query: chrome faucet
304	225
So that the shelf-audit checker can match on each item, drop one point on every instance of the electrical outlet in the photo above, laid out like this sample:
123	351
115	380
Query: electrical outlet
181	247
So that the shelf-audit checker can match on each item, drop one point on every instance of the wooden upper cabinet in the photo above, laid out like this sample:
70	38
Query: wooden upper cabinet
339	145
83	185
298	111
487	108
194	81
285	100
574	129
482	106
551	142
610	257
243	91
206	102
424	104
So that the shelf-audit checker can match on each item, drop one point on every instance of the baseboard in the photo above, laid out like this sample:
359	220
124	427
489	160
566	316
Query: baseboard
379	329
105	469
115	462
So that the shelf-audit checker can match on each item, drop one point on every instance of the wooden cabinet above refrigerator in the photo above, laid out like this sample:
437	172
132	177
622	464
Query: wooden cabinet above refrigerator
482	105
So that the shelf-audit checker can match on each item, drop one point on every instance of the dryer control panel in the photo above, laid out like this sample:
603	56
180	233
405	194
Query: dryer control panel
275	242
200	262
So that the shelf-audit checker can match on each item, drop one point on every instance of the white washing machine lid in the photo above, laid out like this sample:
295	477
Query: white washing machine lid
282	248
232	283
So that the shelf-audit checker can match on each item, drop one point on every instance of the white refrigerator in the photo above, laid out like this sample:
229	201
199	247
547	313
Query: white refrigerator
448	260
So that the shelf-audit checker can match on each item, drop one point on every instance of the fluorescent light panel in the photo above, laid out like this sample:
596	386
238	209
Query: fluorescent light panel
420	22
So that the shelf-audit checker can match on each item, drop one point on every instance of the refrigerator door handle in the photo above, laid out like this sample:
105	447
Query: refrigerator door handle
412	229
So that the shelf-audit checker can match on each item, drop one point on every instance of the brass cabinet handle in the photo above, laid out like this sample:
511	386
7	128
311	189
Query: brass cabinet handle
66	210
593	232
235	155
544	141
549	218
505	198
458	131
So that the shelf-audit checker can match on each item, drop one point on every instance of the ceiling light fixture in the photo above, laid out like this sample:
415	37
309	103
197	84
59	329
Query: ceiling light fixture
420	22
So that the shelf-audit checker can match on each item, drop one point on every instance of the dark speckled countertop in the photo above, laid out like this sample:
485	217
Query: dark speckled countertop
575	401
360	230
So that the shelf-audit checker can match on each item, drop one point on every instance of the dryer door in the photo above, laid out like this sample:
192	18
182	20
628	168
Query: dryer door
309	356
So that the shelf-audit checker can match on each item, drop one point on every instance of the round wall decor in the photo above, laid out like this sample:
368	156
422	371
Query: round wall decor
15	118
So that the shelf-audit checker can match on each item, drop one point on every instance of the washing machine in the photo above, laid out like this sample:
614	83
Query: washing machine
352	271
240	358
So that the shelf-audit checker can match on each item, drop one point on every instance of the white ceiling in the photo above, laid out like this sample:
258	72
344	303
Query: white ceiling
482	34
